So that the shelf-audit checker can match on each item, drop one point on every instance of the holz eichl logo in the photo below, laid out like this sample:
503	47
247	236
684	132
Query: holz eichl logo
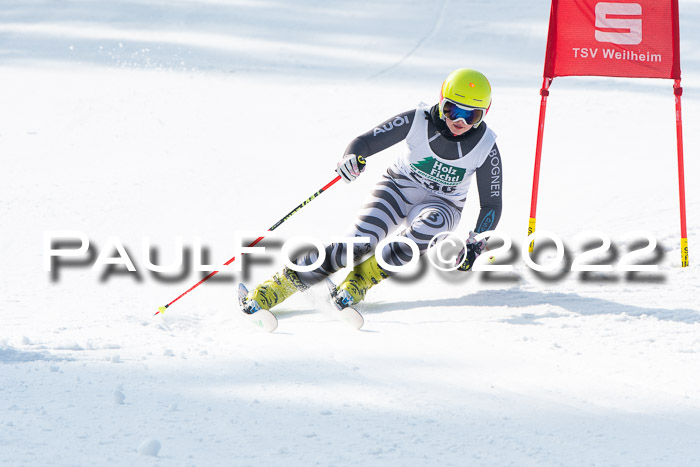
437	171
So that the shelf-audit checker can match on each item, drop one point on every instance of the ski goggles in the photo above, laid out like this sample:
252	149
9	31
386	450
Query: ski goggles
455	111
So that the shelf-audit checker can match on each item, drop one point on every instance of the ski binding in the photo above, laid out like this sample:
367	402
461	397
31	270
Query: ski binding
344	311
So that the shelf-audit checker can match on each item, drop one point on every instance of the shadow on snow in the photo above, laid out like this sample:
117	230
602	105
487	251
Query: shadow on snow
514	298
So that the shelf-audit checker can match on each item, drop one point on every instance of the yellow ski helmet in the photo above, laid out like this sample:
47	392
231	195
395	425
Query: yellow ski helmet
468	88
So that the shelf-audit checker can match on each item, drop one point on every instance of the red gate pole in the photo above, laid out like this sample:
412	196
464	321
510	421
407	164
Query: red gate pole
544	92
678	91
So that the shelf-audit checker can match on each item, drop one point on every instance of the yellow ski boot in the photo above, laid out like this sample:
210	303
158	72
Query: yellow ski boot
273	291
256	304
355	286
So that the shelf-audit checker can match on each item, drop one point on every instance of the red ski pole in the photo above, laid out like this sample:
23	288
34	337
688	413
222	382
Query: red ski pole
255	242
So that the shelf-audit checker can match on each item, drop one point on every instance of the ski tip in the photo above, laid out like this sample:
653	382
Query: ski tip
263	320
352	317
360	323
273	327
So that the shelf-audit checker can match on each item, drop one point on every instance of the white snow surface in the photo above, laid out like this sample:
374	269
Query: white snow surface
136	119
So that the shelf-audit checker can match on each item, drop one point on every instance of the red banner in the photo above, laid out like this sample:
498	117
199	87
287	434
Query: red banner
629	38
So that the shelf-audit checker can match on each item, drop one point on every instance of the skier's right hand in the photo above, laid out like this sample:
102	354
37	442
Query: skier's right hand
350	167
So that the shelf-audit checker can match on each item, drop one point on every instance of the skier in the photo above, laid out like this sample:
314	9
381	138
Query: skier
424	190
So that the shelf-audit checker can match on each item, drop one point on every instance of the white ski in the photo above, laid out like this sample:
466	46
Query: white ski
347	314
261	318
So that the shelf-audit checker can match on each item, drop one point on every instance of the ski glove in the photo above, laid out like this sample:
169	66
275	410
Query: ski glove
468	255
350	167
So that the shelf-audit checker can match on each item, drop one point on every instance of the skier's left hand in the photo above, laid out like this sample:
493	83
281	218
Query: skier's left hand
468	255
